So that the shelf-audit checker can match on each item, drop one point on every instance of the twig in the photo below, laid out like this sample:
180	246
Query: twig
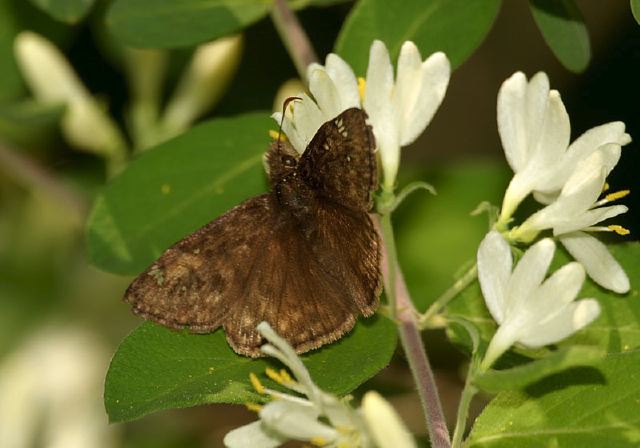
31	174
294	37
448	296
411	339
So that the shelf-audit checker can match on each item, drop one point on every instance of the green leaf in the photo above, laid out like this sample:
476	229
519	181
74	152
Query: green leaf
175	188
592	407
518	377
156	368
180	23
434	25
68	11
635	10
563	29
616	330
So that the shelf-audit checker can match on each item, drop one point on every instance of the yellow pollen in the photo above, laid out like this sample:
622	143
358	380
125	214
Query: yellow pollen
253	407
318	441
605	187
362	87
617	195
619	229
255	382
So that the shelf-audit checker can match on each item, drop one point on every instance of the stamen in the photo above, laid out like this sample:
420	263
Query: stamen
619	229
253	407
285	376
318	441
605	187
617	195
362	87
275	376
255	382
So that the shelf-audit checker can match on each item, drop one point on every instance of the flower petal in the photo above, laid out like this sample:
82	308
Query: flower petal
420	97
597	261
572	318
325	93
557	291
251	436
591	140
589	218
512	120
529	273
344	79
494	269
536	100
552	144
295	421
384	423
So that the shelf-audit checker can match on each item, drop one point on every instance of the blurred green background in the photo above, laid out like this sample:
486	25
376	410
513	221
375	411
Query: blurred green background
50	296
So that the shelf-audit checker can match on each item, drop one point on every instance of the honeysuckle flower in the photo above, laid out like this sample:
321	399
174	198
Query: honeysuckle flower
399	110
530	310
535	132
52	80
204	81
577	209
385	426
313	415
51	388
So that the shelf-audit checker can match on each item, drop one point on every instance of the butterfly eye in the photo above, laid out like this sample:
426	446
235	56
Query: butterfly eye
288	161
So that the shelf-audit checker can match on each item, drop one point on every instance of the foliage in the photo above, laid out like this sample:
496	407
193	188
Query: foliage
582	391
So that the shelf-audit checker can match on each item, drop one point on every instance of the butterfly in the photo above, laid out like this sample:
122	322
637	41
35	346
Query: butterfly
304	257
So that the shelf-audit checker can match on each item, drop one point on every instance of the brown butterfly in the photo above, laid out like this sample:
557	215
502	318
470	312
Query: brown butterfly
303	257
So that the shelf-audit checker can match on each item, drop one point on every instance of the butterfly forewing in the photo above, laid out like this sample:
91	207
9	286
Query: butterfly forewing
340	161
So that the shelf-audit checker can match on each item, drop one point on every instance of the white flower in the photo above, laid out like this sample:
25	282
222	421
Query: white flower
203	82
399	110
51	389
319	418
577	209
528	309
52	79
334	88
535	131
384	423
534	128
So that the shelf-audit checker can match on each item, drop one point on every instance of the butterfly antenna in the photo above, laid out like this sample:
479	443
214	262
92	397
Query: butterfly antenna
284	110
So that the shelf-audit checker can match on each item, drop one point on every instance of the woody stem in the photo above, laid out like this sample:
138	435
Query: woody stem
411	339
294	37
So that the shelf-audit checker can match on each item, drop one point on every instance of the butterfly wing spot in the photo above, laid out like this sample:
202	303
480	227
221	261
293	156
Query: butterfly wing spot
157	274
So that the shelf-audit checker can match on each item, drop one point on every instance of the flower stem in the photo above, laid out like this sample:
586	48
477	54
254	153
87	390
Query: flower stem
294	37
411	339
468	393
392	257
448	296
30	173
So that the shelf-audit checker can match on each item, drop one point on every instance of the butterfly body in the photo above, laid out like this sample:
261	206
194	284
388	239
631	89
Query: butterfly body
304	257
